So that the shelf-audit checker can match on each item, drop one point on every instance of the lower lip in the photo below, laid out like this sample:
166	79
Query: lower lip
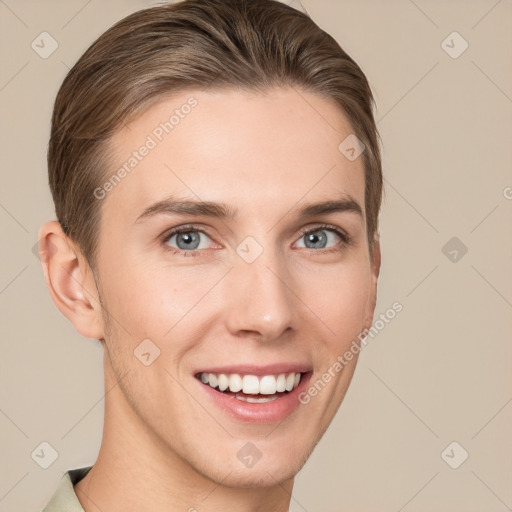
267	412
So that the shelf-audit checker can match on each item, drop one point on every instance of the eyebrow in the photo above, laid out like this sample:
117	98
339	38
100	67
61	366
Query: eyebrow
172	205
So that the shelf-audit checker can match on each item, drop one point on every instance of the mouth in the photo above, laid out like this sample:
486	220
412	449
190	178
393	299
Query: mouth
255	389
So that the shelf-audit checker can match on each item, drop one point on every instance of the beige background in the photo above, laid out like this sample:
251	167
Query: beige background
439	372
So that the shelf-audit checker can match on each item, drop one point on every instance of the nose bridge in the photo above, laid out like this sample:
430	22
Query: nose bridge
261	301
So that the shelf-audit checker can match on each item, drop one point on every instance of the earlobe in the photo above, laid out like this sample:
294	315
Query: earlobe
70	280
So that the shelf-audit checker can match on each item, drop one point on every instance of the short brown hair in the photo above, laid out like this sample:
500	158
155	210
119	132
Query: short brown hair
249	44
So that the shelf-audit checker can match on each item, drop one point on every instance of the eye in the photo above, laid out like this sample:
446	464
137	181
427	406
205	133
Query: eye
187	239
190	240
323	237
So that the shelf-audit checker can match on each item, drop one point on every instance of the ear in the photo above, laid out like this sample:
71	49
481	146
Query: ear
70	280
374	276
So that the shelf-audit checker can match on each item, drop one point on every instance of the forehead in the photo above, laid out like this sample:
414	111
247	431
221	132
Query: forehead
262	153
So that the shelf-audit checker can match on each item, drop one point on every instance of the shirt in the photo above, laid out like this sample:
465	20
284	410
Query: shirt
65	498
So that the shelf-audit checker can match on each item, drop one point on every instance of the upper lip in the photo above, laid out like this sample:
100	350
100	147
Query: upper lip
252	369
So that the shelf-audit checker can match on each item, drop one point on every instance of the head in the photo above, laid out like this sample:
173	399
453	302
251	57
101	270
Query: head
248	128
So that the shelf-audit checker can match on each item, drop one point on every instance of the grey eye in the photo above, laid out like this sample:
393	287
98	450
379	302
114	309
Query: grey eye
319	238
188	240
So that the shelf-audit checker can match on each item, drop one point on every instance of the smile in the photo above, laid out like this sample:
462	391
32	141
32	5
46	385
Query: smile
271	386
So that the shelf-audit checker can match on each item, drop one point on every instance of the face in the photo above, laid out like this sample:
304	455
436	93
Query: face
219	273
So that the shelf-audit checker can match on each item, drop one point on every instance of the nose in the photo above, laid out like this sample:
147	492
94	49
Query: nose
261	300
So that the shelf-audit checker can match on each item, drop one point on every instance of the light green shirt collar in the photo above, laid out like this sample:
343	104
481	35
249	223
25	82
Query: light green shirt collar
65	499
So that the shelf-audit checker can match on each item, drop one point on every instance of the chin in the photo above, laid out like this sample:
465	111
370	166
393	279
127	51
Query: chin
267	471
260	477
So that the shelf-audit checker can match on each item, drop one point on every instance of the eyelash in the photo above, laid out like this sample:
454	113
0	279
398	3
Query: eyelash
346	239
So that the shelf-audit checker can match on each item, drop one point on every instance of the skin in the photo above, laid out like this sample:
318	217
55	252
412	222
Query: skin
165	446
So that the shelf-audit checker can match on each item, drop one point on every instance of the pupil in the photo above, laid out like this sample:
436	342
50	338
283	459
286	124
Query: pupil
317	239
190	239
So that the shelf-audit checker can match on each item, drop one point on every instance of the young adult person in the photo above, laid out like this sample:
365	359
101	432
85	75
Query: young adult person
217	181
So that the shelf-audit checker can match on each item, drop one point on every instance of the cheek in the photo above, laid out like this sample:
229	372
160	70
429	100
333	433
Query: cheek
149	299
339	297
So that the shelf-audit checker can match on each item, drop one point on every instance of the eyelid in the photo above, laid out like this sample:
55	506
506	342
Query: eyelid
184	228
329	227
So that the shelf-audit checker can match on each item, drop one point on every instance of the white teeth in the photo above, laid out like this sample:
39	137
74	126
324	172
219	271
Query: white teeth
212	380
252	384
235	383
223	382
268	384
281	383
290	380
